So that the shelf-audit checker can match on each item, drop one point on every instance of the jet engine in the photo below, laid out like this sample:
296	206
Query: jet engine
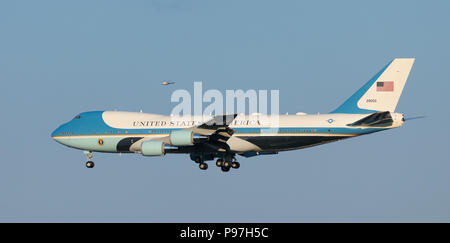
156	148
185	138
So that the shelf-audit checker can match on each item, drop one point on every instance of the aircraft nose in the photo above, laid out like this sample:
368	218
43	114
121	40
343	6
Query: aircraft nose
59	131
55	132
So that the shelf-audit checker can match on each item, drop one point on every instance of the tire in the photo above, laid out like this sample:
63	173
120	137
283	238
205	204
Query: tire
225	169
235	165
203	166
219	163
90	164
226	164
198	160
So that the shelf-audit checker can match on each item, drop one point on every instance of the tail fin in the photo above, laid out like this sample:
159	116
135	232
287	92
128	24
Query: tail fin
382	92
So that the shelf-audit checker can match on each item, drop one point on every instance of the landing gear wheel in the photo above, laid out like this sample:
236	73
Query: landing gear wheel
198	160
226	164
219	163
203	166
235	165
90	164
225	169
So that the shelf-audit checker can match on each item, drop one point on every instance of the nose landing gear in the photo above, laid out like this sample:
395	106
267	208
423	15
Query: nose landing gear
89	163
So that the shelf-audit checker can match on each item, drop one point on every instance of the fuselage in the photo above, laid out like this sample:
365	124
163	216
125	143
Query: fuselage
124	132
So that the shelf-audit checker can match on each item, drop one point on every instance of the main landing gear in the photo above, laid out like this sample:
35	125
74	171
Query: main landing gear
201	163
89	163
203	166
227	163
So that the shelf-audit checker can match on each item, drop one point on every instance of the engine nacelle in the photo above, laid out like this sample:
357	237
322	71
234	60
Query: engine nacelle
152	148
182	138
185	138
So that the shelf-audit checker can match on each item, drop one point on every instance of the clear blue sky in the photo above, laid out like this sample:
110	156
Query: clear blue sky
60	58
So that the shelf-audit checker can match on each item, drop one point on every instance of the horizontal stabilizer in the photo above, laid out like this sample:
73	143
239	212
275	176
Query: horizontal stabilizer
379	119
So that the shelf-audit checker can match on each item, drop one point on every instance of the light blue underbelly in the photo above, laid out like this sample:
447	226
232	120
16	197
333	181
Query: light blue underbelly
106	144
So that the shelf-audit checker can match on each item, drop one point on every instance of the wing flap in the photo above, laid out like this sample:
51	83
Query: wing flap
218	131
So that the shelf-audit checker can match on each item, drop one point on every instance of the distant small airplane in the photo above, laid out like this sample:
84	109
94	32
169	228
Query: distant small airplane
370	109
167	82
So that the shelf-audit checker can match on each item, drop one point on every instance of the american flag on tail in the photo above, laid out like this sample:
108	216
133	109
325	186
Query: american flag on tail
385	86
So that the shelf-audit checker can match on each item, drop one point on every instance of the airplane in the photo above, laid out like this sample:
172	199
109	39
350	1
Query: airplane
166	82
370	109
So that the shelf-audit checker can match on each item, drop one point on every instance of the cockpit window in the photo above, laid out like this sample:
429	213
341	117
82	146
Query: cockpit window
77	117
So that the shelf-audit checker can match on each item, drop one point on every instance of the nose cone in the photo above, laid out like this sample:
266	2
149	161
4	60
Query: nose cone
58	133
54	133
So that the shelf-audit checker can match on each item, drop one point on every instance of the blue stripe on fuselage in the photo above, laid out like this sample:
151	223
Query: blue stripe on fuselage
91	123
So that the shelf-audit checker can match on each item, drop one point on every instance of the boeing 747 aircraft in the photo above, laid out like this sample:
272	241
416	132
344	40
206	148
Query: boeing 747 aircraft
371	109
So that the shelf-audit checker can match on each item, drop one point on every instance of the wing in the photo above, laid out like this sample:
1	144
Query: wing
214	135
217	128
